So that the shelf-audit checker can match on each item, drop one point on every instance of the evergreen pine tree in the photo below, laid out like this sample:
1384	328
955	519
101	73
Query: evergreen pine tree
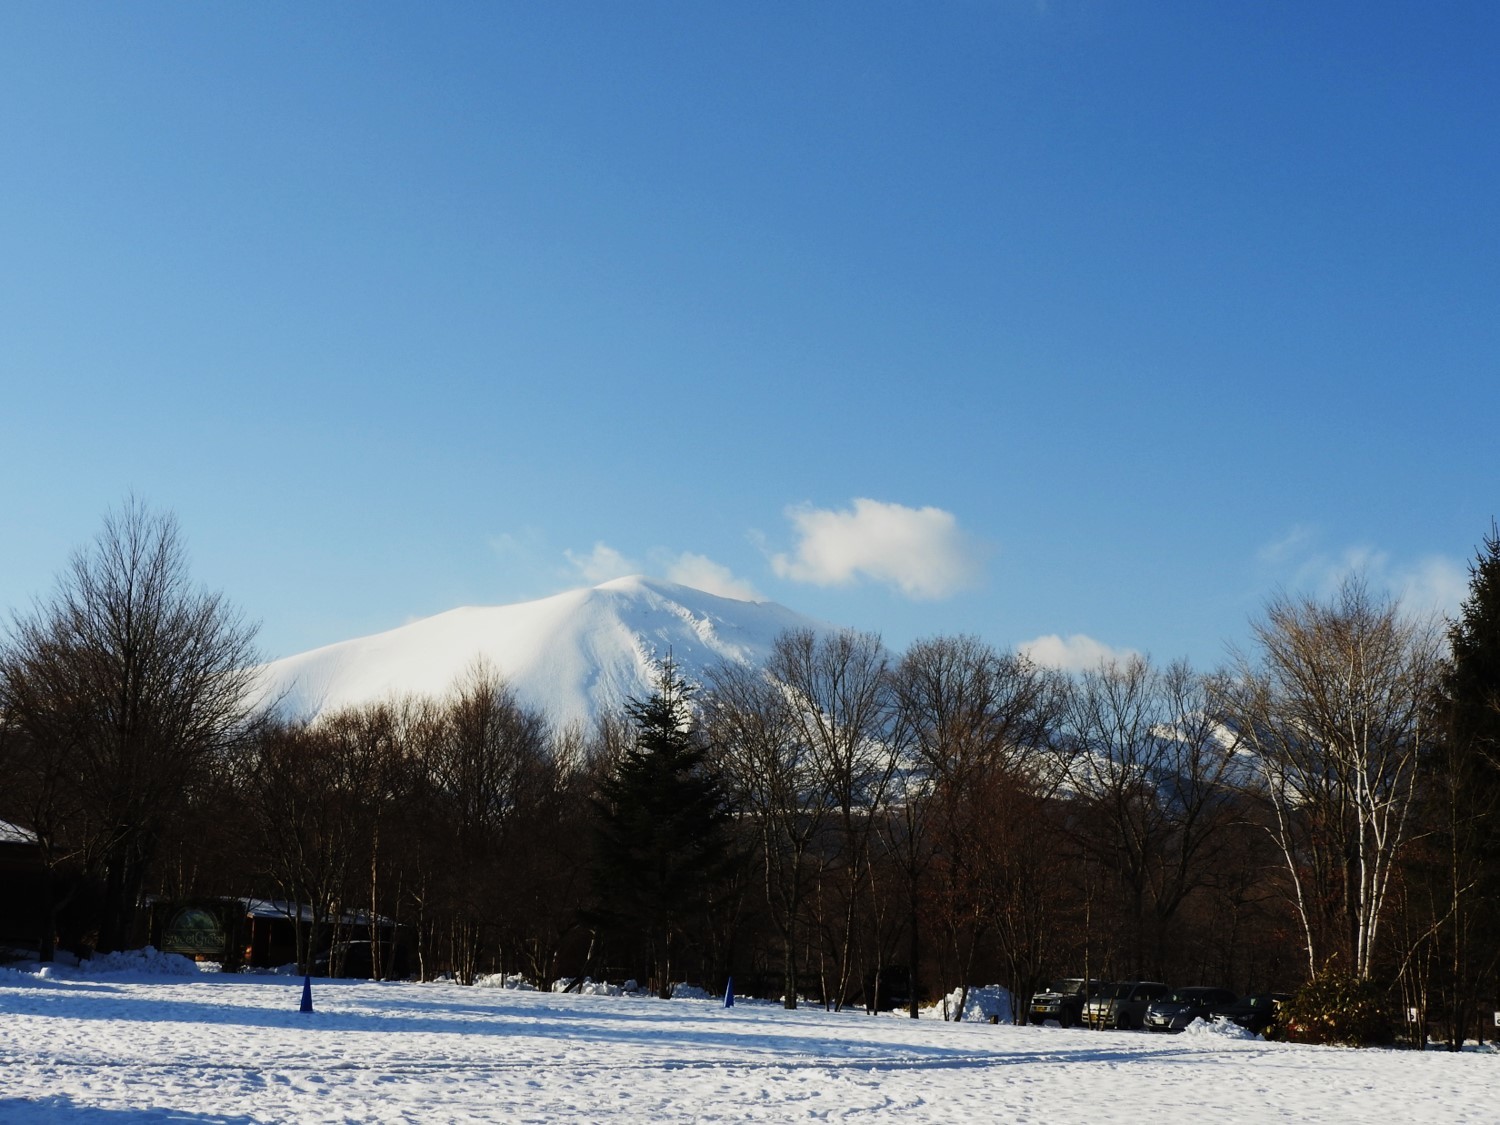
1473	679
660	844
1470	791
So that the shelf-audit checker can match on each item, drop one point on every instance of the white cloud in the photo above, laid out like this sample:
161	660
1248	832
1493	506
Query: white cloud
1075	653
1295	542
522	551
602	563
920	551
702	573
1435	584
1431	584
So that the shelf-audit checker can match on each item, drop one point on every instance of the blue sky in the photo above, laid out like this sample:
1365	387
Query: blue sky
1059	318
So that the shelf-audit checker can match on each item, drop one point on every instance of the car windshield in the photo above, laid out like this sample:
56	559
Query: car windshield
1065	986
1189	996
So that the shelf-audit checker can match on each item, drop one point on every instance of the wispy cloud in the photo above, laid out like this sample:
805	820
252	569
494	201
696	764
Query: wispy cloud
1074	653
920	551
1435	583
1430	584
702	573
523	548
1297	541
602	563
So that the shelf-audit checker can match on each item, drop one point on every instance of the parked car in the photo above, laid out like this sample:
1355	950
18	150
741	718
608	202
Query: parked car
1254	1012
1062	1000
1182	1006
1124	1005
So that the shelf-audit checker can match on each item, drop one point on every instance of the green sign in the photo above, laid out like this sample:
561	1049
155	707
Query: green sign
195	933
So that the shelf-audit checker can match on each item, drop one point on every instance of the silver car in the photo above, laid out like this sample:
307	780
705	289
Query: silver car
1124	1005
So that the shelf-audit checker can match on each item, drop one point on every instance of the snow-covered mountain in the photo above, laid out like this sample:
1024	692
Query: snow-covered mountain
571	655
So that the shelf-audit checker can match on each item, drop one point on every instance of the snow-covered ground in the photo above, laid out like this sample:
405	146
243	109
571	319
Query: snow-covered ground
123	1047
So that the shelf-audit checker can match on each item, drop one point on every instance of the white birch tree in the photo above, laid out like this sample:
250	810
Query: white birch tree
1335	710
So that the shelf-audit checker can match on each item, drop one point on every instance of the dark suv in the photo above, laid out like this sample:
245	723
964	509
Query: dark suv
1124	1005
1062	1000
1255	1012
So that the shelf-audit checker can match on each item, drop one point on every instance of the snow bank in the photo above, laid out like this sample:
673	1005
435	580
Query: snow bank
589	987
513	981
989	1004
29	959
1218	1029
684	991
149	961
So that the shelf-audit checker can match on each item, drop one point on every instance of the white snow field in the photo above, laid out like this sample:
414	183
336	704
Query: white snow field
123	1048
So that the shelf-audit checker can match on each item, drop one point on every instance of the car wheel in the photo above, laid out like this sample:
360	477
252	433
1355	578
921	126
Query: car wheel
1123	1021
1065	1019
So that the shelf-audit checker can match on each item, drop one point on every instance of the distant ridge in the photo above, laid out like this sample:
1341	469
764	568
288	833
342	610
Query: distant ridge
572	655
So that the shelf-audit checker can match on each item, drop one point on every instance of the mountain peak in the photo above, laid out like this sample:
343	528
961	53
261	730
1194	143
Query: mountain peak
638	583
572	656
643	583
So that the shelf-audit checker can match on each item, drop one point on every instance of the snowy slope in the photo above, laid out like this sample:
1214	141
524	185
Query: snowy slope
571	655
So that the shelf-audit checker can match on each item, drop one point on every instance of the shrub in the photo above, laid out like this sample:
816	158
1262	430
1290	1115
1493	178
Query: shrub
1334	1008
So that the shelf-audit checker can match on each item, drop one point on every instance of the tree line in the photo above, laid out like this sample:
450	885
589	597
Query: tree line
843	824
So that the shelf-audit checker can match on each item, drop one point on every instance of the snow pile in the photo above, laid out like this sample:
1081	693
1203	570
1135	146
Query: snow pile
290	969
1218	1029
30	959
149	961
589	987
989	1004
513	981
684	991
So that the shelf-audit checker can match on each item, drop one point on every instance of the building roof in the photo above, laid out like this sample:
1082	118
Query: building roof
15	834
279	908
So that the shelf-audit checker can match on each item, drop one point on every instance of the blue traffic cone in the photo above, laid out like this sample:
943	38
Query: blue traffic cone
306	993
729	994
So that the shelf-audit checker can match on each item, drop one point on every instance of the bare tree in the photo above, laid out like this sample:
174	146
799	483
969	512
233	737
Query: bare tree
772	774
491	762
844	712
372	751
1335	710
977	728
304	804
130	681
1152	764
